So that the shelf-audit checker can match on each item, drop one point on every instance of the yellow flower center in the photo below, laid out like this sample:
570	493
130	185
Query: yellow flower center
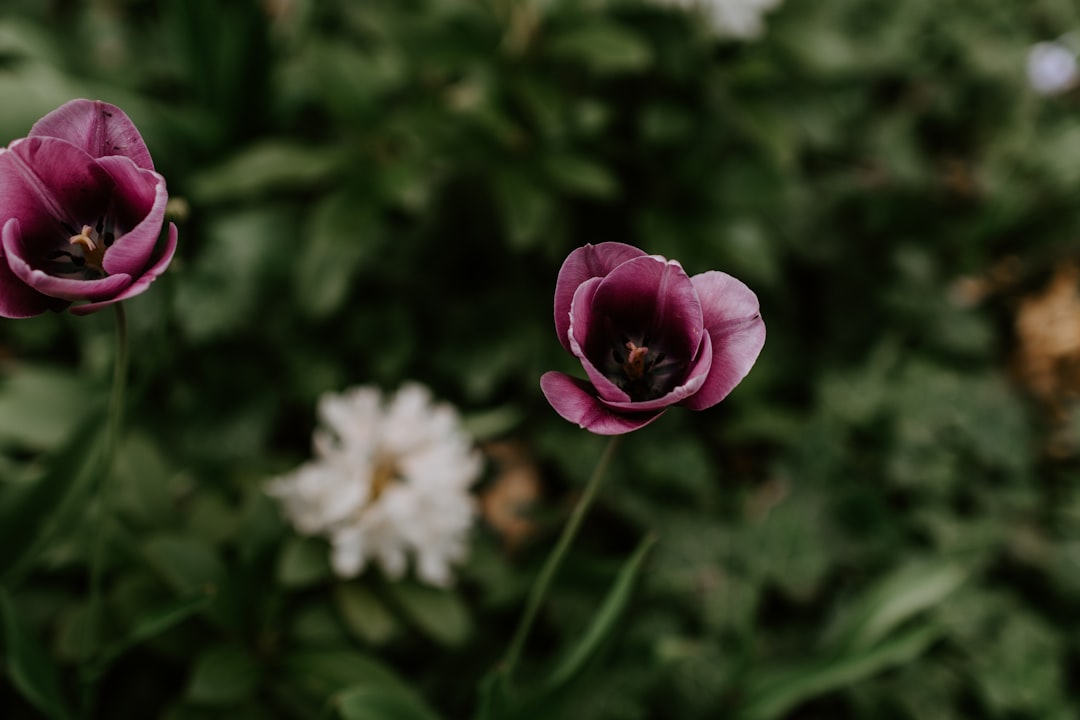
385	474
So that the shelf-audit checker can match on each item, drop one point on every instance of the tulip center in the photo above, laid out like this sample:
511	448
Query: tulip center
84	253
642	372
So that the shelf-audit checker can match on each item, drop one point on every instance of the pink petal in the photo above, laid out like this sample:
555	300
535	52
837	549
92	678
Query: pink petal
580	265
652	296
733	321
580	323
140	197
59	287
142	282
44	181
572	399
97	128
17	299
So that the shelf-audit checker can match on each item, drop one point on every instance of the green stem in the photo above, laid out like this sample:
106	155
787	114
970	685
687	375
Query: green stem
114	420
554	560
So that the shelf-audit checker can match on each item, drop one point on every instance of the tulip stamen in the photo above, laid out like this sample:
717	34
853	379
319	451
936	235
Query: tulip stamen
93	247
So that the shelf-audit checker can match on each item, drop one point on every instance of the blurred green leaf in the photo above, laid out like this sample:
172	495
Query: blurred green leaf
380	703
158	620
223	675
272	166
603	47
30	514
40	407
777	693
189	564
895	599
303	561
580	176
324	673
364	614
604	622
27	663
344	234
221	291
440	614
525	207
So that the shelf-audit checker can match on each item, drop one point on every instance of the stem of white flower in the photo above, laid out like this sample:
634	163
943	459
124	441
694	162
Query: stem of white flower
554	560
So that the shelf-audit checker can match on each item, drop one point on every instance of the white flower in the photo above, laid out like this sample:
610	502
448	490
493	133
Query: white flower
742	19
389	481
1051	68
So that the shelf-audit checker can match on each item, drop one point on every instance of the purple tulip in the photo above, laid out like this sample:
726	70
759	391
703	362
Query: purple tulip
81	212
648	337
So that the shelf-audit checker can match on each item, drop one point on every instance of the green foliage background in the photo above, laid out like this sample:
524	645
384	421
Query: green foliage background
871	526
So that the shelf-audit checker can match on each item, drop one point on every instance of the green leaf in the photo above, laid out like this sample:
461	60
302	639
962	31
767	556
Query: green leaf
603	47
159	620
494	696
30	513
897	598
324	673
364	614
526	208
40	407
606	617
223	675
441	614
29	667
303	562
775	696
381	703
188	564
220	291
342	235
267	167
581	176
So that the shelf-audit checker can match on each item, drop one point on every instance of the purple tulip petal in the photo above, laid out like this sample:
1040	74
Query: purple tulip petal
140	198
59	287
17	299
573	400
97	128
580	322
733	321
582	264
142	283
649	296
44	181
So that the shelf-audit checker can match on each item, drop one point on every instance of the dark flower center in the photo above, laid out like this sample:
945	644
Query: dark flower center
641	368
83	256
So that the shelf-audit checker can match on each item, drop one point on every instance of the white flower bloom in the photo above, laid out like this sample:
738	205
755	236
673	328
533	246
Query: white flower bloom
389	481
742	19
1052	68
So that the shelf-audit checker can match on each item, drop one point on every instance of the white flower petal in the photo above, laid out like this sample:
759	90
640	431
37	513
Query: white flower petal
425	511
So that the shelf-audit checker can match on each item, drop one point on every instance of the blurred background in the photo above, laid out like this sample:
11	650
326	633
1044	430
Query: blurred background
881	521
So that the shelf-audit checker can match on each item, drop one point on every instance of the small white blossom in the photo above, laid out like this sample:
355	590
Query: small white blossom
389	482
1052	68
742	19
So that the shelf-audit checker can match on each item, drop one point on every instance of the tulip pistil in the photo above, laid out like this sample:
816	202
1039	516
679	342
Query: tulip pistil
93	248
634	365
643	373
88	246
